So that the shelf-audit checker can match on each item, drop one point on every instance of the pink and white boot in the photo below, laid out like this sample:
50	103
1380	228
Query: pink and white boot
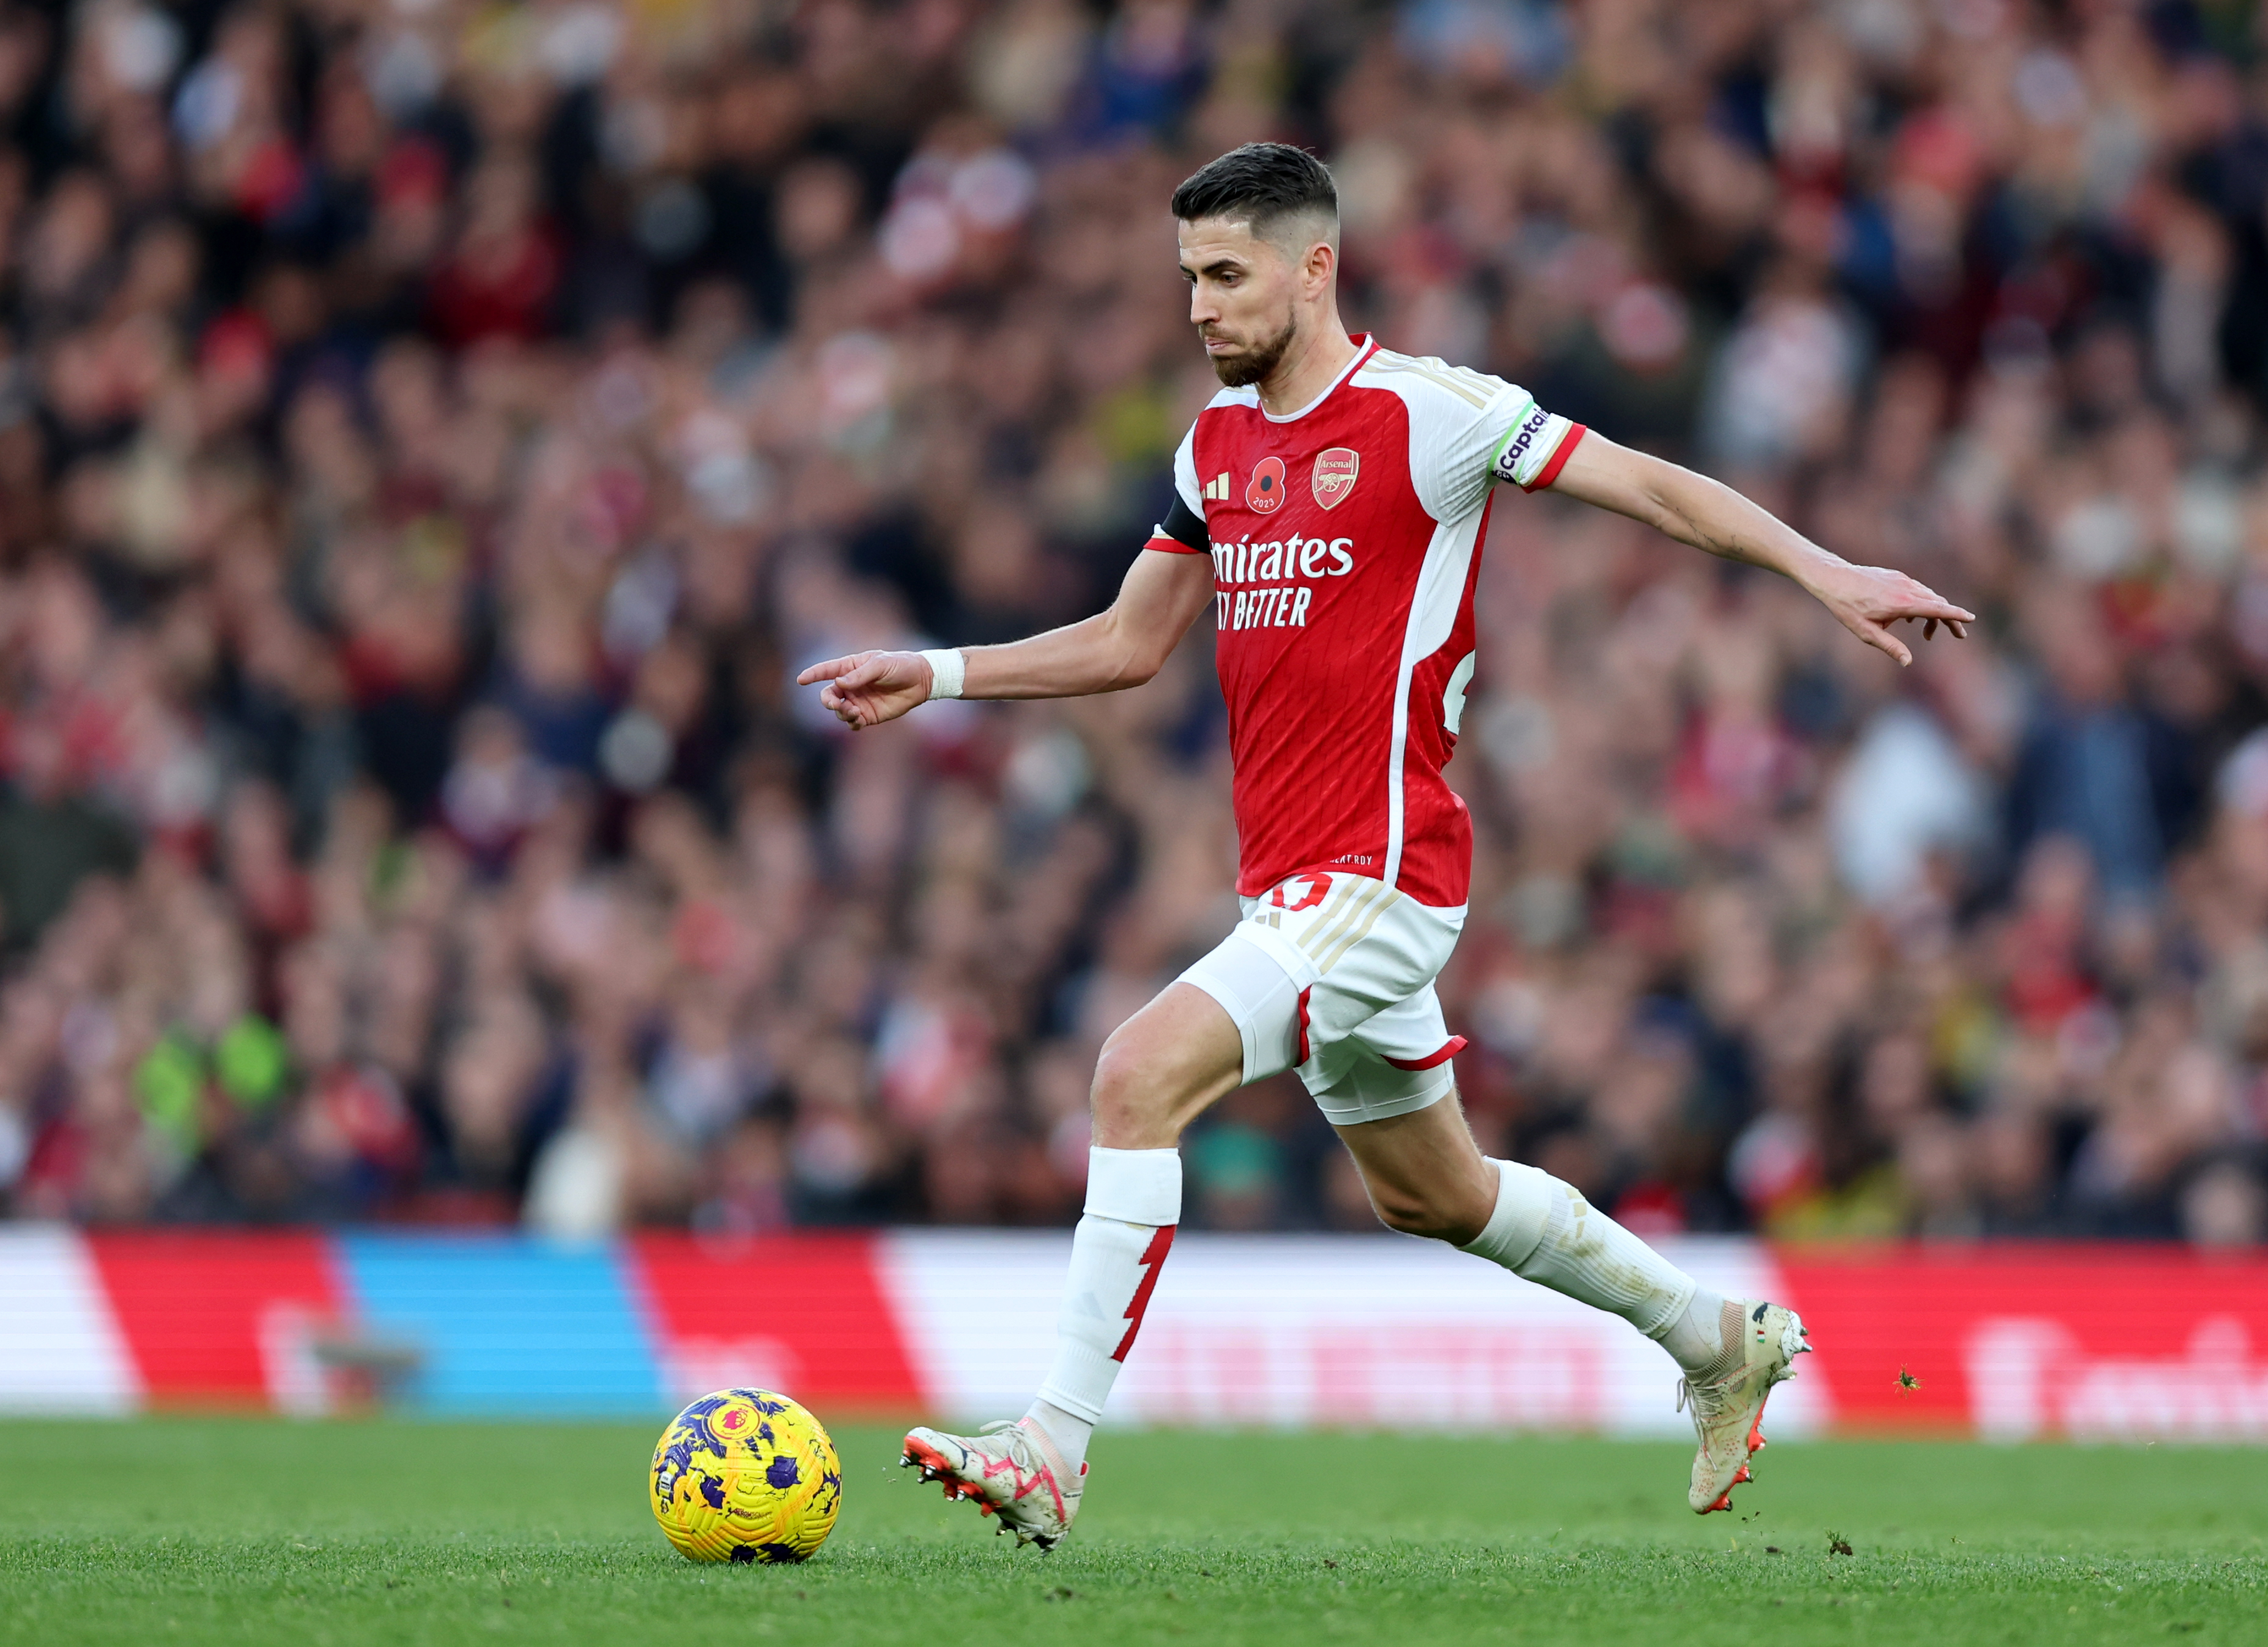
1009	1470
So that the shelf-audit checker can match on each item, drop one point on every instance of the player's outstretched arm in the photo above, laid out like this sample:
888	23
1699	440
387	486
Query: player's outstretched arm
1697	509
1119	647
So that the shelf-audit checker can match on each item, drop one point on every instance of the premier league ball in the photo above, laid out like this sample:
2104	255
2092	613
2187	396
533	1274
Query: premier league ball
745	1475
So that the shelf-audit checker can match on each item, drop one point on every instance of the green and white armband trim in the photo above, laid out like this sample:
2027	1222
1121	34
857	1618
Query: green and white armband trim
1534	448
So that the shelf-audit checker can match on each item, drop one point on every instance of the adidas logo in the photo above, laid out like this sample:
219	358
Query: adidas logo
1217	489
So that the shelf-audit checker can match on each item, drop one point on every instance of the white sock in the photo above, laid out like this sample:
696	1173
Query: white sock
1696	1338
1133	1204
1068	1430
1544	1231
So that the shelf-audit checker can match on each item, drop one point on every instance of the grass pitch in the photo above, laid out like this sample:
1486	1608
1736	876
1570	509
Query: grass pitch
256	1532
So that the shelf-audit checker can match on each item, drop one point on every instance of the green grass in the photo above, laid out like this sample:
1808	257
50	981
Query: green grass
256	1532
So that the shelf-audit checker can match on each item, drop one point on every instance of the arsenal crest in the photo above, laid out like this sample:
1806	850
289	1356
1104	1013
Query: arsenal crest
1263	493
1334	477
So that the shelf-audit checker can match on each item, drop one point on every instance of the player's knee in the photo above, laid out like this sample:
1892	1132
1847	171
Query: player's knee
1161	1067
1132	1096
1411	1212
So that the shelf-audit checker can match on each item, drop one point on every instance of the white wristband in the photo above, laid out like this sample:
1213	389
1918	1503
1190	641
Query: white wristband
947	669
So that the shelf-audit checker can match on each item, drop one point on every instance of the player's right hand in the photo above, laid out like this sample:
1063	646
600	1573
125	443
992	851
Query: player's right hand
868	688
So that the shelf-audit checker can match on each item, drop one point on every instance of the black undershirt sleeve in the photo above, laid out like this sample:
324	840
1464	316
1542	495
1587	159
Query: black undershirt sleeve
1185	525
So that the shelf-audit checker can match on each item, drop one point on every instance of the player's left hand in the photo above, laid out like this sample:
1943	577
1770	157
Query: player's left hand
1868	599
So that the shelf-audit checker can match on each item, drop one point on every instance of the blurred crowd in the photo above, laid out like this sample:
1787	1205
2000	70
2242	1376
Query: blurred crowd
433	433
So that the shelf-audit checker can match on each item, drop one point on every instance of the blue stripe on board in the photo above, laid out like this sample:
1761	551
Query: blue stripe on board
506	1325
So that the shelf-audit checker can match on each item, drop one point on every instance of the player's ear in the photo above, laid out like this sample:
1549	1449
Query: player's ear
1319	264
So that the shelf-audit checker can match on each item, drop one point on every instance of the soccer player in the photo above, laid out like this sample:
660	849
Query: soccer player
1330	504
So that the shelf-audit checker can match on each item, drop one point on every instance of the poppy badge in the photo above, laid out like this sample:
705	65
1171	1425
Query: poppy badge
1263	493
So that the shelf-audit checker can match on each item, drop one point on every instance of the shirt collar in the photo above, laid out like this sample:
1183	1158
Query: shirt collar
1363	346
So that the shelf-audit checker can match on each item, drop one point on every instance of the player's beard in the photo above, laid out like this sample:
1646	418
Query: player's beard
1254	364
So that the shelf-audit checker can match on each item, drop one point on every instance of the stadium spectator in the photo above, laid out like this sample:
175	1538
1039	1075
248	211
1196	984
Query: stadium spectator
432	438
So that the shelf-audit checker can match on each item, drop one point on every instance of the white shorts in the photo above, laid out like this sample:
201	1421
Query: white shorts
1332	975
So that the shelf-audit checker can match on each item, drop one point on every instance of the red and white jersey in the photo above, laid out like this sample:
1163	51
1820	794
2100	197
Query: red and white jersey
1345	540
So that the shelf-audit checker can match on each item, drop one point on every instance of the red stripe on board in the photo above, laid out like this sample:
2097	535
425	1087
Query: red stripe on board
204	1312
2020	1340
802	1310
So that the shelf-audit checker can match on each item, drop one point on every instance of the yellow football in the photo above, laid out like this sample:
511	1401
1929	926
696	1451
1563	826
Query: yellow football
745	1475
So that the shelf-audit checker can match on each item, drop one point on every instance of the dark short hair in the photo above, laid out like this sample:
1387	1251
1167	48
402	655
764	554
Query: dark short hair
1260	182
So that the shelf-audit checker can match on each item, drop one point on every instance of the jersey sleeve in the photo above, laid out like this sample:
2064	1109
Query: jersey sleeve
1469	430
1183	531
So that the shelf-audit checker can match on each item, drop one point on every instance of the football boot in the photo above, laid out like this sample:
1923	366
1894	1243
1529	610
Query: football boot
1009	1470
1727	1396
